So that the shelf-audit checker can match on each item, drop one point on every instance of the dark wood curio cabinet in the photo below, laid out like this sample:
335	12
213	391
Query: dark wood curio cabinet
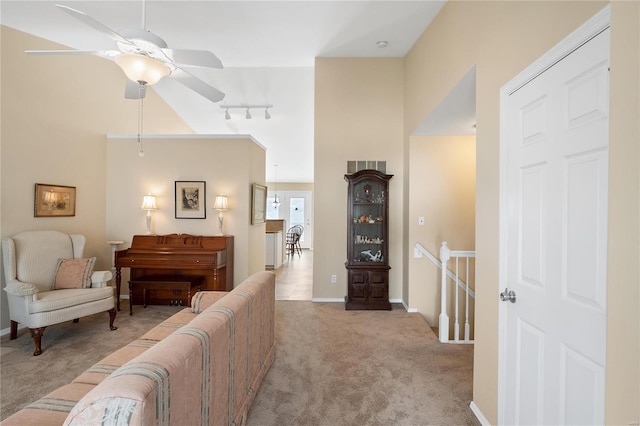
367	241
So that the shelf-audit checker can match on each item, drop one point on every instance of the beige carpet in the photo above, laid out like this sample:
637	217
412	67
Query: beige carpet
337	367
332	367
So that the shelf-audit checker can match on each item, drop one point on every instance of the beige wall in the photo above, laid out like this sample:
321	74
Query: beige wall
501	39
623	293
185	158
55	114
442	190
358	116
256	173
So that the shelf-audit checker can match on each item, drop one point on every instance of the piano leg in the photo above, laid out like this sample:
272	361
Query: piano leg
118	279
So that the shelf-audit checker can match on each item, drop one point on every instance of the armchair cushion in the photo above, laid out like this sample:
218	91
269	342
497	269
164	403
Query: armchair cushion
74	273
49	301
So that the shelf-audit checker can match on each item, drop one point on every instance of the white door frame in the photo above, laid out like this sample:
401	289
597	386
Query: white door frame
586	32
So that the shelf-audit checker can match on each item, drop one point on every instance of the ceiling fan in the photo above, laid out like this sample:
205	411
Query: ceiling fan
145	58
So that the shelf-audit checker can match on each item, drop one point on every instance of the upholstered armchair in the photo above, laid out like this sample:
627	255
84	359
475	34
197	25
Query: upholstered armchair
48	282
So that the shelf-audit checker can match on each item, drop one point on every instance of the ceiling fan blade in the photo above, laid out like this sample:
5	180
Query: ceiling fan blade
102	53
134	90
197	85
94	24
193	58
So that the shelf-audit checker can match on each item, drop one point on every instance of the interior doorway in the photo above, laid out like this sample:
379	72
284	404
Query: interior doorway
296	208
294	279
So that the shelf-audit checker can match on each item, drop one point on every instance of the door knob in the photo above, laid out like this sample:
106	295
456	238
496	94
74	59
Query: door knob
508	296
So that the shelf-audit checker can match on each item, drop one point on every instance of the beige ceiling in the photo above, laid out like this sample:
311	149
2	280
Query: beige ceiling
267	48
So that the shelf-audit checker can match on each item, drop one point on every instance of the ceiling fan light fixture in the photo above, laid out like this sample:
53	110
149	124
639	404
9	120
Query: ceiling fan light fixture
248	115
267	116
142	69
227	116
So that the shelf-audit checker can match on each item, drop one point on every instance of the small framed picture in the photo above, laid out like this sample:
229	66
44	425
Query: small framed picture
191	202
54	200
258	204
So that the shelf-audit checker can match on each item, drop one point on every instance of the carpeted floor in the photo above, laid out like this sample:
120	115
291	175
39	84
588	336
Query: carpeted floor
337	367
332	367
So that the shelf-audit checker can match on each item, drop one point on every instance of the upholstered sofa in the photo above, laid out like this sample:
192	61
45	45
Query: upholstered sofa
202	366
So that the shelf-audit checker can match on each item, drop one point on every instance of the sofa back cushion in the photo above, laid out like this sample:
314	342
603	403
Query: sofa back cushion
37	254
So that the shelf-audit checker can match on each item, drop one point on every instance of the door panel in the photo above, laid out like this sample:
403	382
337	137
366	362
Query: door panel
556	241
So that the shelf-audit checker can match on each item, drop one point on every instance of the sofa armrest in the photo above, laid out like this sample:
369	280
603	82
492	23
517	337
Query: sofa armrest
203	299
100	278
18	288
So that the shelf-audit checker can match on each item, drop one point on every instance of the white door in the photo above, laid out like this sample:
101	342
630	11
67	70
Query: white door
553	338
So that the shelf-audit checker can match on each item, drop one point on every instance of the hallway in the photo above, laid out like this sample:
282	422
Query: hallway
294	279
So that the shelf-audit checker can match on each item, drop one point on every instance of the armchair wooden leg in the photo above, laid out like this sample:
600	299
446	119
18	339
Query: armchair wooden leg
14	330
37	333
112	317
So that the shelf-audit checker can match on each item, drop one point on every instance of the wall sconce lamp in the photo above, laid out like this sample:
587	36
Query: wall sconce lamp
247	108
149	204
221	204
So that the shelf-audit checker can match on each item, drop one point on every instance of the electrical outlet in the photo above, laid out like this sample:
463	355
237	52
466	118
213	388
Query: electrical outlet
334	279
421	220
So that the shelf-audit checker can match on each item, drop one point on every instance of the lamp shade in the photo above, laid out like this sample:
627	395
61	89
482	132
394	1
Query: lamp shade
149	203
221	203
142	69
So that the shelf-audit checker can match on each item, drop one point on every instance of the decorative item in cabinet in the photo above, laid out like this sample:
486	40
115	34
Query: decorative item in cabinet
367	240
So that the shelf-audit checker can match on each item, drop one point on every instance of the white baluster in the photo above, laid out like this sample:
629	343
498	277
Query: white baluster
443	319
466	315
456	326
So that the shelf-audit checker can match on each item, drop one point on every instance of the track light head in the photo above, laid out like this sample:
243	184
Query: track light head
247	108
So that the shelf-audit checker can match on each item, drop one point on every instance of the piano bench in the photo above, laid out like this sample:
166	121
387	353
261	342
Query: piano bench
178	290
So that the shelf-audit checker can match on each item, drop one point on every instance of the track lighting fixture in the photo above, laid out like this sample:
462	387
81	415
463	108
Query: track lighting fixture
247	108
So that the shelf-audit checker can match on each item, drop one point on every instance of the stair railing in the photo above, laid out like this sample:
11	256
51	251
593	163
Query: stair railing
460	285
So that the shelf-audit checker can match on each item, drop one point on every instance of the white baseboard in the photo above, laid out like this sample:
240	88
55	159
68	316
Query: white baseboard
408	309
328	299
481	418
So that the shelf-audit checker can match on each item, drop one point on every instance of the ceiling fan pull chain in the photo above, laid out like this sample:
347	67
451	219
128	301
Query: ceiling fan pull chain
140	117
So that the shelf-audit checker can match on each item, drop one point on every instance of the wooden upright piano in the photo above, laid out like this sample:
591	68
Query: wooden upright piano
179	256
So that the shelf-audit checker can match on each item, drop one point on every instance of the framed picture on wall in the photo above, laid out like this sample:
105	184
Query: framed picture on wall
54	200
191	201
258	204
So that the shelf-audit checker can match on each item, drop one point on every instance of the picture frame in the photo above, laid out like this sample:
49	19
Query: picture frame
54	200
190	199
258	204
